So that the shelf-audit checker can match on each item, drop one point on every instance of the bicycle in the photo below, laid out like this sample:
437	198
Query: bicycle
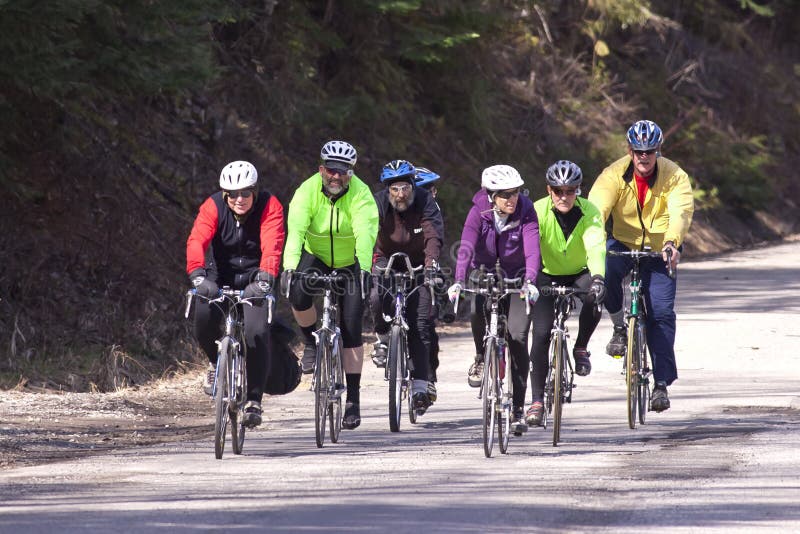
560	379
398	362
497	401
636	364
230	377
328	381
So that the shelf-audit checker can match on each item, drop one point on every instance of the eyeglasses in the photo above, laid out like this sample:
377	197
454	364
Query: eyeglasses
505	195
563	192
641	153
244	193
340	172
400	188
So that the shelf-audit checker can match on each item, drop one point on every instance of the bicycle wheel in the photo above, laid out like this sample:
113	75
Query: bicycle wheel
335	410
550	381
504	405
395	361
238	378
643	384
558	387
488	391
321	388
221	397
408	382
632	371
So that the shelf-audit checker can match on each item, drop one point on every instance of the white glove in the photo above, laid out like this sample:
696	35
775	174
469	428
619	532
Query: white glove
530	292
454	291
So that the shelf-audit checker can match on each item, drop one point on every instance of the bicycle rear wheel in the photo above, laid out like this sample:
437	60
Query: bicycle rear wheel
335	410
643	384
504	404
488	391
321	388
559	373
632	371
238	378
221	397
395	361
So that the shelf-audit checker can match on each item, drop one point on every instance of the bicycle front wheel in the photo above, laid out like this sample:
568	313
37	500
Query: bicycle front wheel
632	371
335	410
321	388
238	381
643	384
395	361
559	372
488	392
503	370
221	387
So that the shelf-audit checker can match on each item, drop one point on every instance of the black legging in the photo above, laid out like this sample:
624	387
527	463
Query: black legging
351	306
208	320
517	327
543	315
418	316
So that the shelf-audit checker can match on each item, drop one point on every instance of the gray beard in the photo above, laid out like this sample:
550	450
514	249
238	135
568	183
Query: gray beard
407	205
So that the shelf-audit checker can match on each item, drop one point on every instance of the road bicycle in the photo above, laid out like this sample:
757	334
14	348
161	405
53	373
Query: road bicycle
497	396
328	382
399	364
636	363
230	376
560	379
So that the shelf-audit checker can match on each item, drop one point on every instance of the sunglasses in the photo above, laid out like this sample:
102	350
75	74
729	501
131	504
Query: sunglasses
505	195
641	153
340	172
244	193
400	188
557	191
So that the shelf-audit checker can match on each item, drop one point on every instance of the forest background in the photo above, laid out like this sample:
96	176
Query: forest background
117	116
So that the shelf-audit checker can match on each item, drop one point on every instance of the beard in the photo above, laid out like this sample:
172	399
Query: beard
334	189
401	205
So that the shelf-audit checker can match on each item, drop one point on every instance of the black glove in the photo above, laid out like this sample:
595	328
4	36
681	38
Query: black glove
597	293
204	286
286	279
434	277
262	286
366	283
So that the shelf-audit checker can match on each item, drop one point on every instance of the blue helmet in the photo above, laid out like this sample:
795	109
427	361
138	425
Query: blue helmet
645	135
425	177
397	170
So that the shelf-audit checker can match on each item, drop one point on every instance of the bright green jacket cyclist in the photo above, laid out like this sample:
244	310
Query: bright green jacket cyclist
337	232
586	246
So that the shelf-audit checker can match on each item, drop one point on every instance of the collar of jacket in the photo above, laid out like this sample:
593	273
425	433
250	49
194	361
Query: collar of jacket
628	174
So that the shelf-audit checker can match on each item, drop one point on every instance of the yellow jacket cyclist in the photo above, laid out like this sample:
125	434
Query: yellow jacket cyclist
650	201
332	225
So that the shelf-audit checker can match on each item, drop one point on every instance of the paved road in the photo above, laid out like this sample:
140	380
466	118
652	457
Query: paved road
724	458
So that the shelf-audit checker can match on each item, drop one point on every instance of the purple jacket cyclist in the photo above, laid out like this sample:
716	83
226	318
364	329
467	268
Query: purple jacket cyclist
501	223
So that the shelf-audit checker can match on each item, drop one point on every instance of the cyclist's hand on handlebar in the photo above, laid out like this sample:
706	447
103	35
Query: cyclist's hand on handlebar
286	279
433	277
366	283
204	286
454	291
671	258
263	285
530	292
597	292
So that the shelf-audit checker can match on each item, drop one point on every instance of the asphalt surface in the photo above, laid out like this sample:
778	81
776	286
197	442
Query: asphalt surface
724	458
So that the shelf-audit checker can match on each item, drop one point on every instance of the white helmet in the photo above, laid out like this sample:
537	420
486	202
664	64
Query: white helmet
499	177
238	175
339	152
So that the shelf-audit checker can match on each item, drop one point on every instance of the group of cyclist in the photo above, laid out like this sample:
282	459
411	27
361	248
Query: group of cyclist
336	223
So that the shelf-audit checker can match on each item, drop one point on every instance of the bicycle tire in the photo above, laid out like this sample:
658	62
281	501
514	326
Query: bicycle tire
395	362
632	372
238	377
489	401
220	396
643	384
335	409
558	387
321	389
504	412
408	382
